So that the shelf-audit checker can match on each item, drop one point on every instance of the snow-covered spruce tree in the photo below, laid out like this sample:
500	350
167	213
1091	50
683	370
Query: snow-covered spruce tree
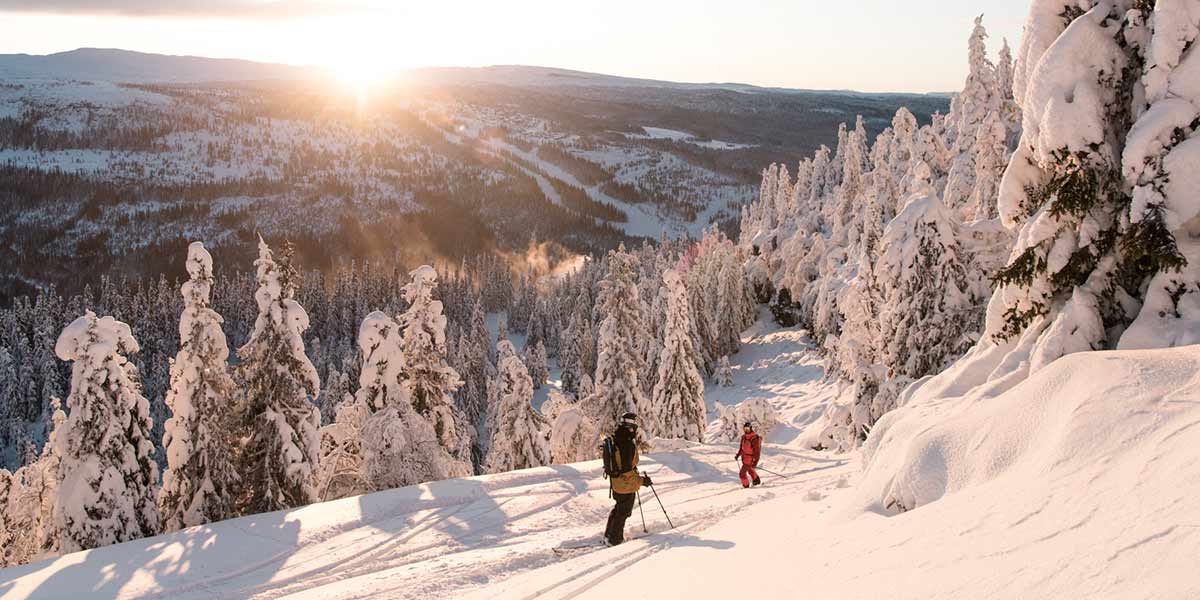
425	374
32	497
932	293
848	195
991	158
724	374
1010	112
569	360
1073	280
618	362
199	483
518	431
107	471
728	426
1160	162
586	387
276	417
976	101
574	436
730	313
538	371
476	354
340	473
399	446
676	408
502	330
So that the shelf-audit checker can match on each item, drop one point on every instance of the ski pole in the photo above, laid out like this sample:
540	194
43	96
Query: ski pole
644	530
660	505
771	472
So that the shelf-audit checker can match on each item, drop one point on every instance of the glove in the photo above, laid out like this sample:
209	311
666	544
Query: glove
646	481
737	456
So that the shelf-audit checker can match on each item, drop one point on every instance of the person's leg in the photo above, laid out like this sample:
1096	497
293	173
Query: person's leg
742	475
612	519
620	512
753	475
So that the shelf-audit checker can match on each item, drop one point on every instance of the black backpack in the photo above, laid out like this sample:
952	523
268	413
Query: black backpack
608	451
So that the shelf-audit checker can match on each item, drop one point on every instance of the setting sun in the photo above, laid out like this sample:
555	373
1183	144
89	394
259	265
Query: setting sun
362	75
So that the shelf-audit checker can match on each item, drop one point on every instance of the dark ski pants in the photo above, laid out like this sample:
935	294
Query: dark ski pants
616	519
747	469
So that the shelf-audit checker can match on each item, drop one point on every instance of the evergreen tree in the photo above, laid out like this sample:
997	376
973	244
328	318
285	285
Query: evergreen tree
730	313
340	473
276	415
1077	264
977	100
107	469
428	379
724	376
931	291
538	371
400	446
519	433
676	408
199	483
1159	162
569	360
619	361
32	497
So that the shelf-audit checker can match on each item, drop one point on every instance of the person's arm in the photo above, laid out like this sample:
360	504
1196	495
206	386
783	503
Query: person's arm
757	449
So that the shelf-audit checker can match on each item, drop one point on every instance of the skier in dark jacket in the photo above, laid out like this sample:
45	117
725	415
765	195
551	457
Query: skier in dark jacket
624	478
750	450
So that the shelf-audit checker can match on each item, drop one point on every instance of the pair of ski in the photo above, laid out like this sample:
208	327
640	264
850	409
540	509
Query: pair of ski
572	547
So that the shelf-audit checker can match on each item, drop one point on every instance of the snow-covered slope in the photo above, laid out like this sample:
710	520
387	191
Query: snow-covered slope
1078	483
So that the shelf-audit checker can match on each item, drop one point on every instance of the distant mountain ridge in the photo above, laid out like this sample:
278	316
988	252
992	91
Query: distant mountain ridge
109	64
105	64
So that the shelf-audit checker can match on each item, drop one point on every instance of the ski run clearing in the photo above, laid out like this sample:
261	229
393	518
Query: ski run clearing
1079	483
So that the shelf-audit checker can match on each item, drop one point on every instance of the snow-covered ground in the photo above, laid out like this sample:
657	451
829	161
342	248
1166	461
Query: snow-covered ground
1078	483
658	133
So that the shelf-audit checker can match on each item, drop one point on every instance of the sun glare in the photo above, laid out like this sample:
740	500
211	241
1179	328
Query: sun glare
362	76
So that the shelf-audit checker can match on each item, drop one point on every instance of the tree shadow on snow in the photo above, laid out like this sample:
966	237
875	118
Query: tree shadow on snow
247	551
470	510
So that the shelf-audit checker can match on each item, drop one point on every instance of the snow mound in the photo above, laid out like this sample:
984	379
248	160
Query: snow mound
1098	448
1110	415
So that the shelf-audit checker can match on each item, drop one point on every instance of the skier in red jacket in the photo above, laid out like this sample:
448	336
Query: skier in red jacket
749	451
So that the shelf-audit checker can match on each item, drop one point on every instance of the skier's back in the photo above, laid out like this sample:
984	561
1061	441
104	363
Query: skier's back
623	476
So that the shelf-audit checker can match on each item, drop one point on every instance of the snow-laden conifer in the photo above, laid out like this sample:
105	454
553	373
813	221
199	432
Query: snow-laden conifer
199	484
428	379
519	433
617	389
676	407
276	415
107	472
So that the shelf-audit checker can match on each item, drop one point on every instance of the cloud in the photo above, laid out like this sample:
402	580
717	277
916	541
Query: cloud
186	8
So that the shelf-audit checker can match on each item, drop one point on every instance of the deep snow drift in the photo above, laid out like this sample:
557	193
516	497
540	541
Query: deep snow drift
1077	483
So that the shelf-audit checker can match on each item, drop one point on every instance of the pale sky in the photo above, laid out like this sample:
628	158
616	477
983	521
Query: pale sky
868	45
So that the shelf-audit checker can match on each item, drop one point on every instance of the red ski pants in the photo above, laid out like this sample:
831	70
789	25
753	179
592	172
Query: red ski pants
747	469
